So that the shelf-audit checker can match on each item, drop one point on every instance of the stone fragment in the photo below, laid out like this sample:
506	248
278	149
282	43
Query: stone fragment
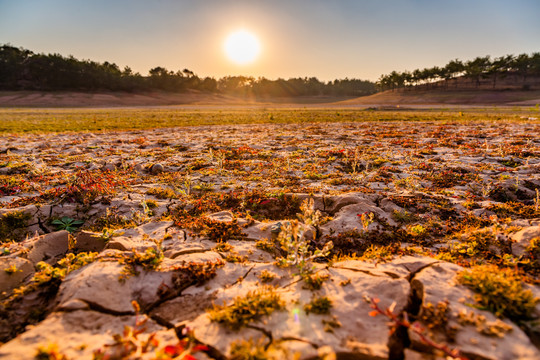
49	248
13	271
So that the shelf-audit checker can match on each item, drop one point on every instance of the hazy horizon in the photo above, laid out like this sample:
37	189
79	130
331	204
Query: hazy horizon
327	40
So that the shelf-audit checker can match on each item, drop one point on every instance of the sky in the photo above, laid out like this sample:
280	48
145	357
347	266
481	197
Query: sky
327	39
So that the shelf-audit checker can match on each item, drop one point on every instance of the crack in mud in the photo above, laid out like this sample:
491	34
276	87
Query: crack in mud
241	278
367	272
399	340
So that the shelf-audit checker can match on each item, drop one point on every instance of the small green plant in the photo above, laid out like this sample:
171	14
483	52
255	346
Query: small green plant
12	269
221	231
435	317
245	309
234	257
404	217
162	193
367	219
292	241
379	253
150	204
257	350
499	291
53	275
139	217
534	248
496	328
417	230
267	276
204	187
192	273
314	281
223	247
67	223
331	324
309	215
319	305
107	234
218	159
149	260
49	352
265	245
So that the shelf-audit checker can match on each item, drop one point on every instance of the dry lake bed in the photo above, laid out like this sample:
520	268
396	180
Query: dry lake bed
347	239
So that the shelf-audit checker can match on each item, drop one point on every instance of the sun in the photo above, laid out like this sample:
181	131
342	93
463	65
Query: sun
242	47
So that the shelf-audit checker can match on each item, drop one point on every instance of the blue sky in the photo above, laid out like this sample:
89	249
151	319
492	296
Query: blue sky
326	39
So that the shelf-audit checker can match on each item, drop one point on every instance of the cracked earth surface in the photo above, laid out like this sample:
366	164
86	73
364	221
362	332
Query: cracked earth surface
185	220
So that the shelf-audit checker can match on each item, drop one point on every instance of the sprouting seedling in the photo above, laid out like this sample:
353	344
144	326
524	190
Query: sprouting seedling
366	218
291	239
288	163
67	223
516	185
220	158
188	184
217	157
537	200
140	218
309	215
486	189
356	160
107	234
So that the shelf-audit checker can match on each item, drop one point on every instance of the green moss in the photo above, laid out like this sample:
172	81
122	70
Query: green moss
256	350
533	249
195	273
404	217
221	231
12	225
319	305
223	247
266	245
499	291
267	276
245	309
49	352
52	275
234	257
150	259
515	210
162	193
151	204
314	281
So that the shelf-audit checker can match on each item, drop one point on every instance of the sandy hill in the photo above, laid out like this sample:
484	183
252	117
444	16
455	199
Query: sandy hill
154	98
455	97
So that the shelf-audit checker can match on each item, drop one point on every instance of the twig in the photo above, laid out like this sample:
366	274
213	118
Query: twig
416	328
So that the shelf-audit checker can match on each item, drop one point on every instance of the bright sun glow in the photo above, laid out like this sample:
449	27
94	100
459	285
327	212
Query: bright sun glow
242	47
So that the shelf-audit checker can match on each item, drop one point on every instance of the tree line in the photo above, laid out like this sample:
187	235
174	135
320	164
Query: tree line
522	67
22	69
